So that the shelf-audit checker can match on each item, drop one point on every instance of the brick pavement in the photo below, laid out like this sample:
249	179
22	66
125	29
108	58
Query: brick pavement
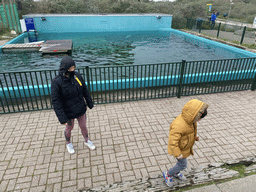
130	138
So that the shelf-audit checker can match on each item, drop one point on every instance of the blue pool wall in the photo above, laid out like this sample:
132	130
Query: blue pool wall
62	23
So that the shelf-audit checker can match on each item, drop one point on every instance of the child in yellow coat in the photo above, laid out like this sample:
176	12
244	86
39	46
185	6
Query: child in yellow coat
182	136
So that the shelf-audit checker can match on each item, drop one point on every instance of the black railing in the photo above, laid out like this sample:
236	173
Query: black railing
228	31
30	90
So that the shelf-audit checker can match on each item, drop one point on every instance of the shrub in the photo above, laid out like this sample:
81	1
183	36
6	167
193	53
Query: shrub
4	29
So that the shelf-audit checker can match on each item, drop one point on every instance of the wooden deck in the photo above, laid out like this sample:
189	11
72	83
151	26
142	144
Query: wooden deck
50	46
57	46
20	48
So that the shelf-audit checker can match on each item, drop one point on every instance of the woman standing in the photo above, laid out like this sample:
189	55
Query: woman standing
69	92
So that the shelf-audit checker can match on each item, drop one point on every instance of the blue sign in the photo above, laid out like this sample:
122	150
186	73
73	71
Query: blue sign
29	24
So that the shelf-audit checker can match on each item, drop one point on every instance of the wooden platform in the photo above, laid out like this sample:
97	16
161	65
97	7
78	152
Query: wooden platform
50	46
57	46
20	48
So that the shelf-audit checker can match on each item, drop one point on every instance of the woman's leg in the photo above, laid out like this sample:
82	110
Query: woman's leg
180	166
82	125
68	130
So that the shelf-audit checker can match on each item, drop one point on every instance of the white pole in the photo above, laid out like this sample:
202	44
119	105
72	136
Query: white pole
230	8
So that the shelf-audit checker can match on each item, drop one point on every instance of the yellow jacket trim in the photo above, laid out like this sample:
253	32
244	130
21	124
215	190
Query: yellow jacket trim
78	80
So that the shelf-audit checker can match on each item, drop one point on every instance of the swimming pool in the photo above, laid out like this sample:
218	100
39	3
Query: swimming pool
124	62
121	48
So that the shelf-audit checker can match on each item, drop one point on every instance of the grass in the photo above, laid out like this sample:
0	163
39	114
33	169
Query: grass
239	168
5	34
250	46
208	35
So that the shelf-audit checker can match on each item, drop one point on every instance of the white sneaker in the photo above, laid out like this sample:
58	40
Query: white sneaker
180	176
168	180
90	144
70	148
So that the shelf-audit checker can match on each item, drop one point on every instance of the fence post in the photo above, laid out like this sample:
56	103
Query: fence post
15	25
1	102
88	78
181	77
5	13
253	83
187	24
218	30
243	35
200	26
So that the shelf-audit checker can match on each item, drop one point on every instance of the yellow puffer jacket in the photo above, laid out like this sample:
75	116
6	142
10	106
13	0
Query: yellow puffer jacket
183	130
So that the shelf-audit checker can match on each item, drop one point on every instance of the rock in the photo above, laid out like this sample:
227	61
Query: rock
199	175
232	162
13	32
251	168
6	37
216	165
201	168
229	174
200	178
246	162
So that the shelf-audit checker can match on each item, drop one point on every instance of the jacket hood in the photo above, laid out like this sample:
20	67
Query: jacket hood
66	63
192	110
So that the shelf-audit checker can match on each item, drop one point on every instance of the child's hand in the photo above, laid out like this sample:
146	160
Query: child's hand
197	138
180	157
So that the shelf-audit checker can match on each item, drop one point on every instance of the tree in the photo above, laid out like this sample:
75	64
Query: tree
241	9
28	6
193	10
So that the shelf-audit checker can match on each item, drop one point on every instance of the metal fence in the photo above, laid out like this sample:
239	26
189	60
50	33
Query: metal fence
9	16
229	31
30	90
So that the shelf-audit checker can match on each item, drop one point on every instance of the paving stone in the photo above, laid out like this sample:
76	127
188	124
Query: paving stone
131	144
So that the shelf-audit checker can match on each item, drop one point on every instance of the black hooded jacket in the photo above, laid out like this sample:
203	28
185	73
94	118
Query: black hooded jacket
68	93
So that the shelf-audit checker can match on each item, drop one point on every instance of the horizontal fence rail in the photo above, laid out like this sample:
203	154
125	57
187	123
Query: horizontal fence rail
225	30
29	91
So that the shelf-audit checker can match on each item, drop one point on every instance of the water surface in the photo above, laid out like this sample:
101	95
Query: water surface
116	48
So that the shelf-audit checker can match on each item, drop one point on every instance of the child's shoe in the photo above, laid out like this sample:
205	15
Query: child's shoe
168	180
180	176
70	148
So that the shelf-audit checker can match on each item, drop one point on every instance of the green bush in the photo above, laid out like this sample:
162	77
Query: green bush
250	29
179	23
206	25
4	30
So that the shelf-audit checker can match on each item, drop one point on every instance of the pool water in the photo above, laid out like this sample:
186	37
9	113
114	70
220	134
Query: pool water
116	48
